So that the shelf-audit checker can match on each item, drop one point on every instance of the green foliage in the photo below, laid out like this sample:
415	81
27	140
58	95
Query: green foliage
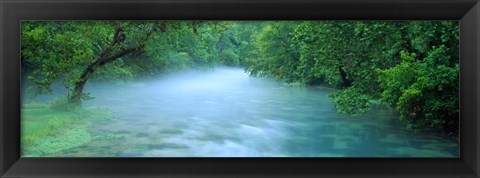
55	50
237	42
411	66
62	104
229	58
394	81
425	93
68	53
275	56
47	130
351	101
117	71
181	48
53	144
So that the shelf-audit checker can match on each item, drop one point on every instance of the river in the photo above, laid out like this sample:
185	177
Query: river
226	113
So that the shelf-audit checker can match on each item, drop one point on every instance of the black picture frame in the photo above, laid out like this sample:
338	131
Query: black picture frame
14	11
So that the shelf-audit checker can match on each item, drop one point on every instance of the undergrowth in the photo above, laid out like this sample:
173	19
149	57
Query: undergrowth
52	128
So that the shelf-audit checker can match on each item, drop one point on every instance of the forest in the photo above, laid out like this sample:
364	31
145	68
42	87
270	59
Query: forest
410	68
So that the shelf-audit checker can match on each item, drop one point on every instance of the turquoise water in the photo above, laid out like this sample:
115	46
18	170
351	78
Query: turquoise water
226	113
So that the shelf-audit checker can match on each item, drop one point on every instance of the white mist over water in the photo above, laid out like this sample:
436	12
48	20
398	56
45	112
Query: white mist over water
226	113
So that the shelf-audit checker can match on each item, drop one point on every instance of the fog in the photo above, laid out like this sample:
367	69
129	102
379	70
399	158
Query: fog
224	112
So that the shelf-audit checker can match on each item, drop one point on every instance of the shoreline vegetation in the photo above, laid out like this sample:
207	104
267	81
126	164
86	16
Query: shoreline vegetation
409	67
47	129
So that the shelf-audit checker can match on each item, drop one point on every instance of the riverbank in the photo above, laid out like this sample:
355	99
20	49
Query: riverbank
48	130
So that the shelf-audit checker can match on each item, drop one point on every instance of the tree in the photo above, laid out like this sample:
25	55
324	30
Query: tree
73	51
425	93
275	54
410	66
115	50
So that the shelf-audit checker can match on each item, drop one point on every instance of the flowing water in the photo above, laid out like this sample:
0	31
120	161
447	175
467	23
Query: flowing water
226	113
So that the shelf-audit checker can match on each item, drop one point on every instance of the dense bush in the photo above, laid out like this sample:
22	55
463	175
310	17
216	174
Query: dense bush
410	66
425	93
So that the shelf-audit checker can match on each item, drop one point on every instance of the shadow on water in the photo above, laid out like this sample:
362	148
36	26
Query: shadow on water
225	112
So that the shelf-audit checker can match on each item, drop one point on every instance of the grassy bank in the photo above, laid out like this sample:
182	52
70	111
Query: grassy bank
48	130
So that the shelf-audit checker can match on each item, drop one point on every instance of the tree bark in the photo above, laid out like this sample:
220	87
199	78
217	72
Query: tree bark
105	58
345	81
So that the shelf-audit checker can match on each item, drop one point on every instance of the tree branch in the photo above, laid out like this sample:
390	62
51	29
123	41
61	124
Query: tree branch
105	57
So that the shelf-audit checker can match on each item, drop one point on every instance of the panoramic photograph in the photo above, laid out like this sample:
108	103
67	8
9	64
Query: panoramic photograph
240	89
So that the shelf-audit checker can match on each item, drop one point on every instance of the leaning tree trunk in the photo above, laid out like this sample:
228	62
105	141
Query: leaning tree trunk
76	97
105	58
